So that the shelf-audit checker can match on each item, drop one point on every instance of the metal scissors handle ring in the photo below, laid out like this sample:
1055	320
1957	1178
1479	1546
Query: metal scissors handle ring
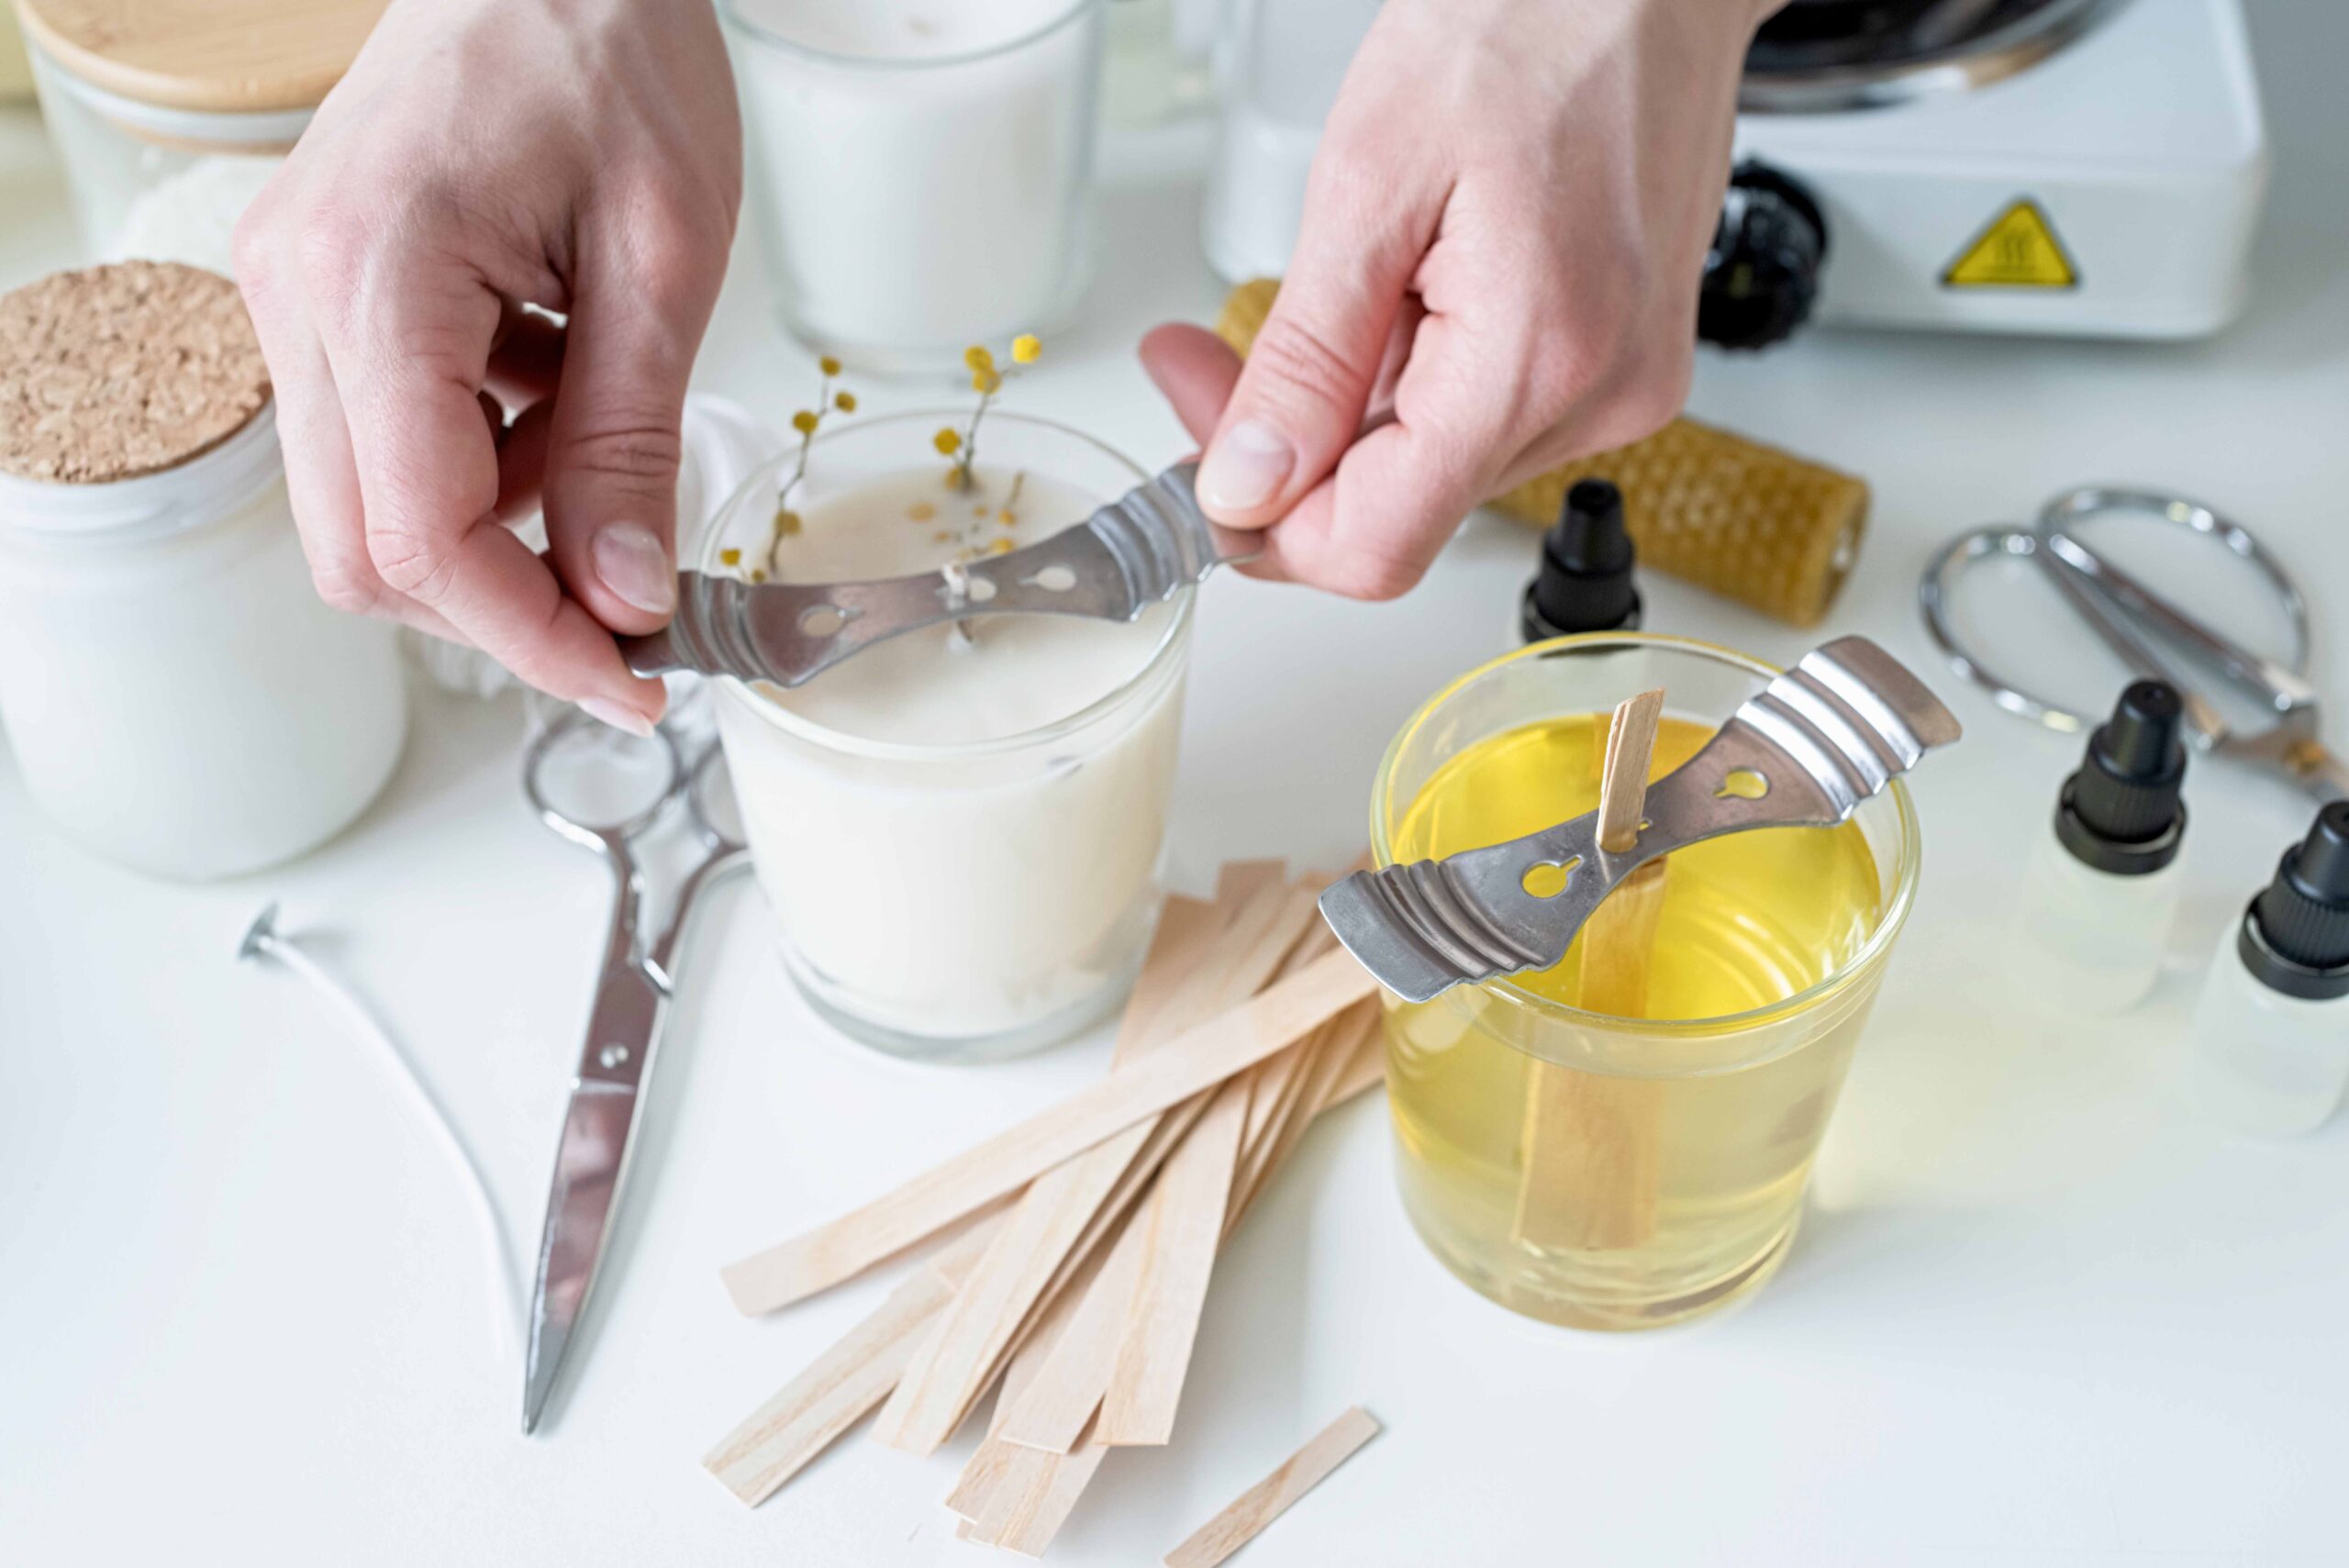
609	839
1933	592
2284	686
727	855
2120	610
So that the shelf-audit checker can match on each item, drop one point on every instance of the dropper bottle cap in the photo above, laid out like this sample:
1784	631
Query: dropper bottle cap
2295	937
1584	581
2122	812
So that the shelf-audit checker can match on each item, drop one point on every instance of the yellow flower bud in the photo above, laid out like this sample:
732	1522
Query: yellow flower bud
730	558
803	421
845	401
786	523
977	358
1000	547
948	441
1025	348
830	365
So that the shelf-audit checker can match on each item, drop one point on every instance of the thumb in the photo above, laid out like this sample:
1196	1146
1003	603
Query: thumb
1315	363
613	442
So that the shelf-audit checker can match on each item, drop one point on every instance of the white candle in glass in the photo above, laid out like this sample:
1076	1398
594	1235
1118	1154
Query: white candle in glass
920	168
959	837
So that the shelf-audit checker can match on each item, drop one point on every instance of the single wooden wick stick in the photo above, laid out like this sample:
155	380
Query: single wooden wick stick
1591	1140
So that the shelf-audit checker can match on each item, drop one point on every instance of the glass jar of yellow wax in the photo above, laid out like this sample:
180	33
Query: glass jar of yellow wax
959	828
1611	1172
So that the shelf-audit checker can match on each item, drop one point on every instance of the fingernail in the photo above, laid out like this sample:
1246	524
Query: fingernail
629	560
615	716
1245	467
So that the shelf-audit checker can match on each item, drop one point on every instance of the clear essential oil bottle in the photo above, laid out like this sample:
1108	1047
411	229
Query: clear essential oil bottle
2101	890
2270	1046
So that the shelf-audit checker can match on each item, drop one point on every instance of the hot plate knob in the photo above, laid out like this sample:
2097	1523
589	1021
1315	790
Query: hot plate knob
1761	274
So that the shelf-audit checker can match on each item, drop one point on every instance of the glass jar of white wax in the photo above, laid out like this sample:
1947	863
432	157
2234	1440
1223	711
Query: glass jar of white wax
176	695
921	169
171	115
958	829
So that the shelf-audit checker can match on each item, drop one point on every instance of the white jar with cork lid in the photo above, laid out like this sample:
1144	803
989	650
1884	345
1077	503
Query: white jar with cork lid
177	697
171	115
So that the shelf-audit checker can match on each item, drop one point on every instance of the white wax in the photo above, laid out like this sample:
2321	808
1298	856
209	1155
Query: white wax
1012	674
191	214
917	199
955	880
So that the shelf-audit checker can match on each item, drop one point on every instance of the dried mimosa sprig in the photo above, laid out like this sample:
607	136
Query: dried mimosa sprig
807	421
986	379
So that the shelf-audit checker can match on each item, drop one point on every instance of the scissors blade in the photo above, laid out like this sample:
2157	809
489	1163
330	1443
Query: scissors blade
590	1165
2078	573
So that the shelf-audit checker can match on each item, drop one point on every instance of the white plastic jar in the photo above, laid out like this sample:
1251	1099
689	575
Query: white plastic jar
171	115
176	695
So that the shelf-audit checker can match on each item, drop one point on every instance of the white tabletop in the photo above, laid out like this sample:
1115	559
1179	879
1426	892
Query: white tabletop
2040	1312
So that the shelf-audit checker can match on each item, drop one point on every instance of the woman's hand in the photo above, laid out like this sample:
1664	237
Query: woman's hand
1497	273
581	156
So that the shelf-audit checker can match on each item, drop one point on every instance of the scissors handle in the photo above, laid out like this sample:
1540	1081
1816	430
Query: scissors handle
2320	772
2281	690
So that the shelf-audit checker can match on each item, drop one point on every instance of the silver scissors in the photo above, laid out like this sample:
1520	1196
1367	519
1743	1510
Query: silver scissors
2129	619
632	992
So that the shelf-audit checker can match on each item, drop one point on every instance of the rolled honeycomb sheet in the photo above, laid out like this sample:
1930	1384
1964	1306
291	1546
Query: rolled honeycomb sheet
1750	522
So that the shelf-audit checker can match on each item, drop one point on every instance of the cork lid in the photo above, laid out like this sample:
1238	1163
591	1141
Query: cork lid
114	372
220	56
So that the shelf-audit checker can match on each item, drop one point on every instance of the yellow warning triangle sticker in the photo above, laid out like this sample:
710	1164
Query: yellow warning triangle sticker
2018	250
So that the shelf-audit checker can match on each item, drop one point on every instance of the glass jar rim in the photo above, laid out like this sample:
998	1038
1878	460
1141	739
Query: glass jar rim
881	64
1169	643
188	494
258	132
1890	921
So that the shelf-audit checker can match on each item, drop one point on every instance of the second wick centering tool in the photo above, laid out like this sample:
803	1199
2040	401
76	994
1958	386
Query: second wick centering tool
2103	885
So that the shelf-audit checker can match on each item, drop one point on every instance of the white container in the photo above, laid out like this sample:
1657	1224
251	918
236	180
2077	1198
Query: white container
959	840
177	697
2269	1063
921	169
170	115
2084	941
1279	64
2270	1047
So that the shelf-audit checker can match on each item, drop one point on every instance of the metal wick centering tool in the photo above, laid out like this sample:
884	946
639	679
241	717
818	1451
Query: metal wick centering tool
1129	555
1802	752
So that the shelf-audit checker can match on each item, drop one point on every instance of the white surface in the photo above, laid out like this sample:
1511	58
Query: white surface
2042	1313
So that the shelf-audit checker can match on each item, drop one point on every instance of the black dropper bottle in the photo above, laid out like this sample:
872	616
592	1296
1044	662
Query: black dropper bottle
2122	812
1585	583
2295	936
2101	893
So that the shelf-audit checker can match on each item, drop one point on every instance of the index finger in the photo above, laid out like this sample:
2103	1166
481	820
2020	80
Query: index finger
410	356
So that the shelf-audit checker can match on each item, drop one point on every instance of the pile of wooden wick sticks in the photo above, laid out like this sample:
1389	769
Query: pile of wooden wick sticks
1077	1291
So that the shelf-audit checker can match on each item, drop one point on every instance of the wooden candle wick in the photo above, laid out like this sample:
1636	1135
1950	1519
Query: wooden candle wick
1591	1140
